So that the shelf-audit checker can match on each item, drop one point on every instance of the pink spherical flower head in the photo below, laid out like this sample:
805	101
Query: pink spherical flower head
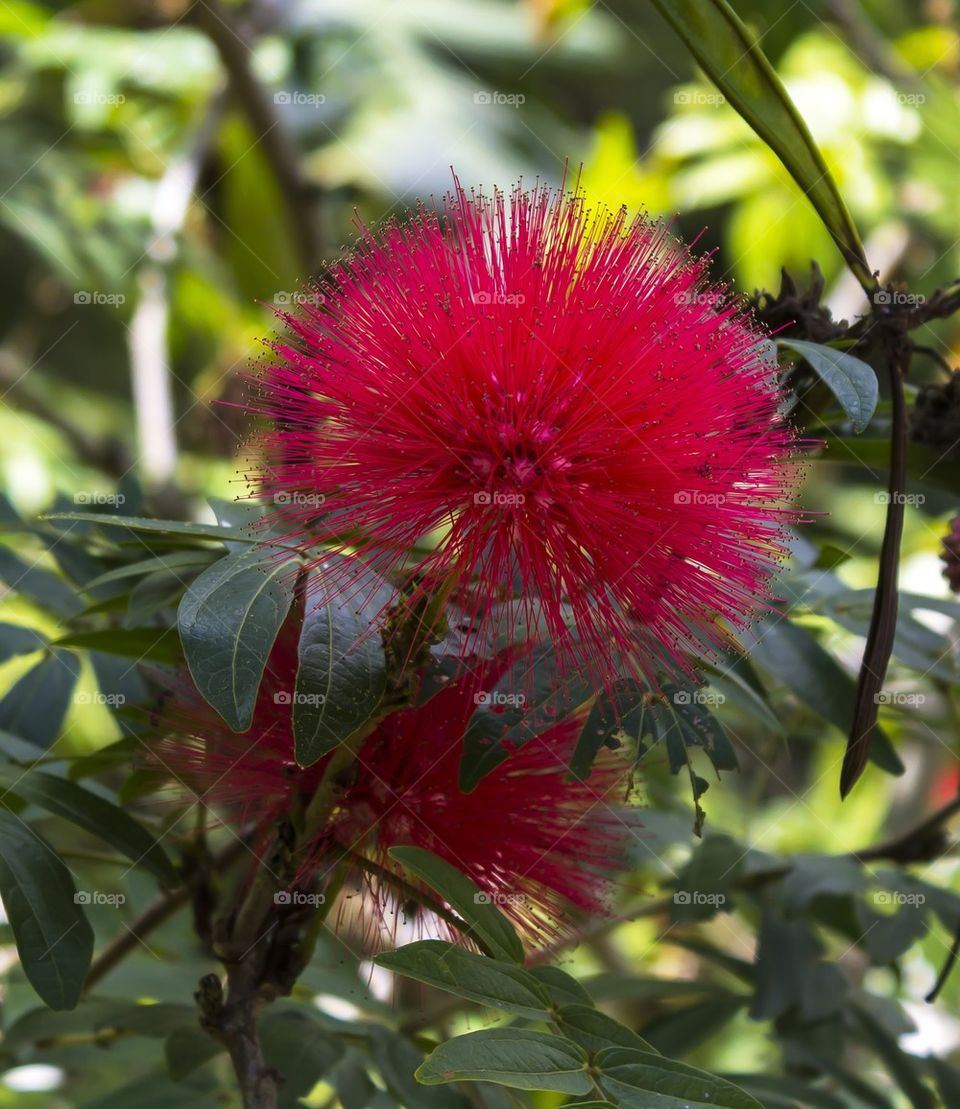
554	396
532	841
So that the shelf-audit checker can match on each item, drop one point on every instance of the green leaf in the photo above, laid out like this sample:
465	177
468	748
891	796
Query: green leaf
143	644
852	381
229	619
92	813
488	926
94	1016
646	1081
794	657
509	1057
54	940
612	712
15	640
44	589
730	55
342	675
905	1070
562	988
35	706
299	1049
172	561
185	1050
176	528
475	977
594	1031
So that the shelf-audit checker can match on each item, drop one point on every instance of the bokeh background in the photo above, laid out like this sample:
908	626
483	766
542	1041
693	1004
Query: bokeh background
170	173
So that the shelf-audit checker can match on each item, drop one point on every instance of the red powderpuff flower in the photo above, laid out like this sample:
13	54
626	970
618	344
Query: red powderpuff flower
533	841
559	396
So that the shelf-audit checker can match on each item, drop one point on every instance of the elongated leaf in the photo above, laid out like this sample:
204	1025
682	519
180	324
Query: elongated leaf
487	924
54	940
228	619
175	528
92	813
594	1030
645	1081
792	654
42	587
173	561
730	55
852	381
142	644
562	988
15	640
475	977
509	1057
906	1070
342	675
35	706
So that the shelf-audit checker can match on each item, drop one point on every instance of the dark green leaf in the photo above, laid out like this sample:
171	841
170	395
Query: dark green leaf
475	977
43	588
342	675
732	58
852	381
54	940
509	1057
18	640
488	926
185	1050
905	1070
647	1081
300	1050
562	988
92	813
594	1031
143	644
35	706
229	619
